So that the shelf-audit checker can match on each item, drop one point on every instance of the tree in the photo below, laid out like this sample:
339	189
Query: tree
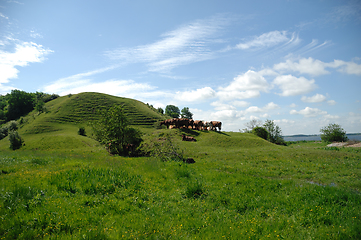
260	132
113	131
333	133
172	111
251	125
185	113
40	106
19	104
160	110
274	132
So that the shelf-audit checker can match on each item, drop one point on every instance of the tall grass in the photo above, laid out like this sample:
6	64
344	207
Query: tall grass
236	193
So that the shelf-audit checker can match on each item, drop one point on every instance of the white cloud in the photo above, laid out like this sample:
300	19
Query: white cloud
226	115
331	102
66	85
254	109
219	106
34	34
247	85
309	112
240	104
271	106
304	65
3	16
292	86
346	67
195	96
314	99
24	53
316	67
265	40
267	107
124	88
187	44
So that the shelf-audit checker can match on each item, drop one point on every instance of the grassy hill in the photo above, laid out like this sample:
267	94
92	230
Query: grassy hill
57	128
64	186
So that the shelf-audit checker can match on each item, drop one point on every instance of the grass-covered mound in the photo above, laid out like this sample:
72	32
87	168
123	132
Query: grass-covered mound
57	127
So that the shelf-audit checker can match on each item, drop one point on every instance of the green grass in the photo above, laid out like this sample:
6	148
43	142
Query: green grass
61	185
252	189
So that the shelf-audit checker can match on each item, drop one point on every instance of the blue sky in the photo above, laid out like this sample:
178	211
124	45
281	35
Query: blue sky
295	62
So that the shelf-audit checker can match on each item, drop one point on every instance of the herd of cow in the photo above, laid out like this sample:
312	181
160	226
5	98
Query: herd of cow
193	124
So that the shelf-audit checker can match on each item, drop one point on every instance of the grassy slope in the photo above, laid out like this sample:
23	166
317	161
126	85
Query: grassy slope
57	129
240	187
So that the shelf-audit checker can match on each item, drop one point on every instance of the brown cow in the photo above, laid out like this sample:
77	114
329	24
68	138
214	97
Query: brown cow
187	138
198	125
214	125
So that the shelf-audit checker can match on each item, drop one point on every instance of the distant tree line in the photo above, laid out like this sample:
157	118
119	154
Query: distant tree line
19	103
173	111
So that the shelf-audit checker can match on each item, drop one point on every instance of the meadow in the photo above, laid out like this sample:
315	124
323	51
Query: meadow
241	187
61	185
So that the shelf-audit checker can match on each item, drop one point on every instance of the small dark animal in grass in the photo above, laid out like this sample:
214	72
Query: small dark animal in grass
187	138
189	160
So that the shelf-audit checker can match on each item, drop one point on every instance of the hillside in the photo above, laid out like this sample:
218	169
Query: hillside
57	128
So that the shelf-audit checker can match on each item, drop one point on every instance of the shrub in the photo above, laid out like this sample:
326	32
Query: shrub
3	132
333	133
260	132
15	140
81	131
113	131
13	126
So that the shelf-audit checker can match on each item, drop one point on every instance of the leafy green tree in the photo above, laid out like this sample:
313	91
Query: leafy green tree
333	133
160	110
260	132
19	104
172	111
40	106
113	131
274	132
185	113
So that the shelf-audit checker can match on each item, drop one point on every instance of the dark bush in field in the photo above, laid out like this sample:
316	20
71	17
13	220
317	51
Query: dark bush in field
13	126
81	131
3	132
260	132
15	140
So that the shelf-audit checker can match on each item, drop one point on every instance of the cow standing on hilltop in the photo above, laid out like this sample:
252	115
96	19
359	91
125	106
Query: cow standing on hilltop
193	124
214	125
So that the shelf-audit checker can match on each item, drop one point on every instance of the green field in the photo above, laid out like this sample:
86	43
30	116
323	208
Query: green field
61	185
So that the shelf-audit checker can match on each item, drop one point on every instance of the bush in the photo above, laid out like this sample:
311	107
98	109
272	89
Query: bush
260	132
3	132
113	131
333	133
81	131
13	126
15	139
